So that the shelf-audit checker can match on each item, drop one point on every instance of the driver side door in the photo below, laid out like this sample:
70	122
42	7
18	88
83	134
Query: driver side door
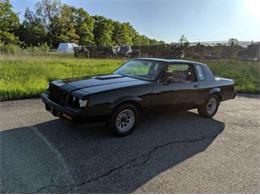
180	90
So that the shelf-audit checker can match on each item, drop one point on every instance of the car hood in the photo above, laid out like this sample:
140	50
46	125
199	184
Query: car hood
94	84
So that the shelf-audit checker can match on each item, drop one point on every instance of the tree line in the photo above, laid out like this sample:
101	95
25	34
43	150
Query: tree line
51	22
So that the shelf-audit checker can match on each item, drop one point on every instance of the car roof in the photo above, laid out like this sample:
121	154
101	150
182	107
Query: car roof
169	60
205	67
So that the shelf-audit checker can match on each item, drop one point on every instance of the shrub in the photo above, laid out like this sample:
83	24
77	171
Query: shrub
41	48
15	49
10	49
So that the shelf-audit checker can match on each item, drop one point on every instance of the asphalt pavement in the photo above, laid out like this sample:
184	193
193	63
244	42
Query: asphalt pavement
169	152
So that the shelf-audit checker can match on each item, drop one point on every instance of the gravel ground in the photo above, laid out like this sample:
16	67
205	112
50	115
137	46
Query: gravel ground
170	152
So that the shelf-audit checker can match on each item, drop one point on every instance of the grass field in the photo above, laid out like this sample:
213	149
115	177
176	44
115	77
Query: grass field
27	76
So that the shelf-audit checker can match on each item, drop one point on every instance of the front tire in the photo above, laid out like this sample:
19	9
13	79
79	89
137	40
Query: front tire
210	107
123	119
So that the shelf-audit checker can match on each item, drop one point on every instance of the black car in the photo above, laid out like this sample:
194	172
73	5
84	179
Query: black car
118	98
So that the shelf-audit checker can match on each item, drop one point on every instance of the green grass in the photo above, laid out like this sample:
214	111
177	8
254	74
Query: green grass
27	76
245	74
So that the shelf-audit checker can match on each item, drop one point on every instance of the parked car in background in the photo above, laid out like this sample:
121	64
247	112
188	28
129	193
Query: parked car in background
120	97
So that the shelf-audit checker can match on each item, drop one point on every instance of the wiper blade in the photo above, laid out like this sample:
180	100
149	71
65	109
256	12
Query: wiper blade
137	77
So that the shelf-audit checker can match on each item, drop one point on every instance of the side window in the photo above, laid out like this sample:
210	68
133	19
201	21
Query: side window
200	73
178	68
180	73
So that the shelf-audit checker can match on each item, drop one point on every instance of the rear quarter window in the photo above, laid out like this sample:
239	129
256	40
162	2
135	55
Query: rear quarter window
200	72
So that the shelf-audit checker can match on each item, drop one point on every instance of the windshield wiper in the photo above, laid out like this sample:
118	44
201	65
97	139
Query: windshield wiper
137	77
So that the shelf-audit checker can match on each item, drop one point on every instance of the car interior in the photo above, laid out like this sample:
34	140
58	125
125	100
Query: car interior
179	73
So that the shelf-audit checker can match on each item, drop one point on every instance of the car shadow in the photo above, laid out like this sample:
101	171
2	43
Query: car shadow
61	157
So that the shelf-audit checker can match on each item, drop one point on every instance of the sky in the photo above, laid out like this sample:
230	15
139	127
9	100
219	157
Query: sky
167	20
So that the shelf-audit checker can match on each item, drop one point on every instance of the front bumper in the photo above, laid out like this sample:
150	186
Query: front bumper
58	110
70	113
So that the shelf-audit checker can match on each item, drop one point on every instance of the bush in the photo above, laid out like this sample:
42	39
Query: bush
41	48
15	49
10	49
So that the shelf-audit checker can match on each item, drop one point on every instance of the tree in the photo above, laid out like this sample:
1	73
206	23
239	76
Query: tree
74	25
32	31
183	41
199	50
48	11
84	27
123	34
55	23
233	42
141	40
9	23
115	34
103	30
52	22
66	25
156	42
233	49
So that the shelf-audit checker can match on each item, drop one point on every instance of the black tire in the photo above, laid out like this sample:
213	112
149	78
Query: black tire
204	109
117	127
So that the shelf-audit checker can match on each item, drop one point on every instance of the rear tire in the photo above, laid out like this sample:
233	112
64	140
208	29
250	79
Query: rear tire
210	107
123	119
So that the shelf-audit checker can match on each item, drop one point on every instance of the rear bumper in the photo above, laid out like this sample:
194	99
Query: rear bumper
235	95
227	95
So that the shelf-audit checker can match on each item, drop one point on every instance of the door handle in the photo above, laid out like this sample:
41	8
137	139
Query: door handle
195	85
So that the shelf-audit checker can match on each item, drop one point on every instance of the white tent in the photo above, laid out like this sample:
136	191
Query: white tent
66	47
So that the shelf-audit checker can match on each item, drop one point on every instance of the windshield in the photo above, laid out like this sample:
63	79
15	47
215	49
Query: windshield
143	69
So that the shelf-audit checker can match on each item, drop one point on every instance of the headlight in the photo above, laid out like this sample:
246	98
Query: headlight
83	103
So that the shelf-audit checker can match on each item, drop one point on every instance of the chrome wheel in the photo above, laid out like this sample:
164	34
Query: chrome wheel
125	120
212	105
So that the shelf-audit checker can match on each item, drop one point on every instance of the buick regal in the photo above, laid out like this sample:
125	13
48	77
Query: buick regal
141	83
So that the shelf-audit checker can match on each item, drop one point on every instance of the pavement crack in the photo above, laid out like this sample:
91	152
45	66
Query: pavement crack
146	156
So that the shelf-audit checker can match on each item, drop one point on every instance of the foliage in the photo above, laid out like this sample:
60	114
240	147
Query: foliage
9	23
12	49
142	40
32	31
47	12
233	42
84	27
245	74
124	34
66	25
233	49
103	30
183	42
52	22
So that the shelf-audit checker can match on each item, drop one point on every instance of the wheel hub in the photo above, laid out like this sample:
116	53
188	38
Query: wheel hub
212	105
125	120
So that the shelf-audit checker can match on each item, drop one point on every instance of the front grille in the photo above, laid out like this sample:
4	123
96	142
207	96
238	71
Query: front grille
57	95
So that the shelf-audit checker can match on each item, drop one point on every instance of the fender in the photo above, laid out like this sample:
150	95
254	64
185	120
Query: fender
214	90
217	91
135	99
